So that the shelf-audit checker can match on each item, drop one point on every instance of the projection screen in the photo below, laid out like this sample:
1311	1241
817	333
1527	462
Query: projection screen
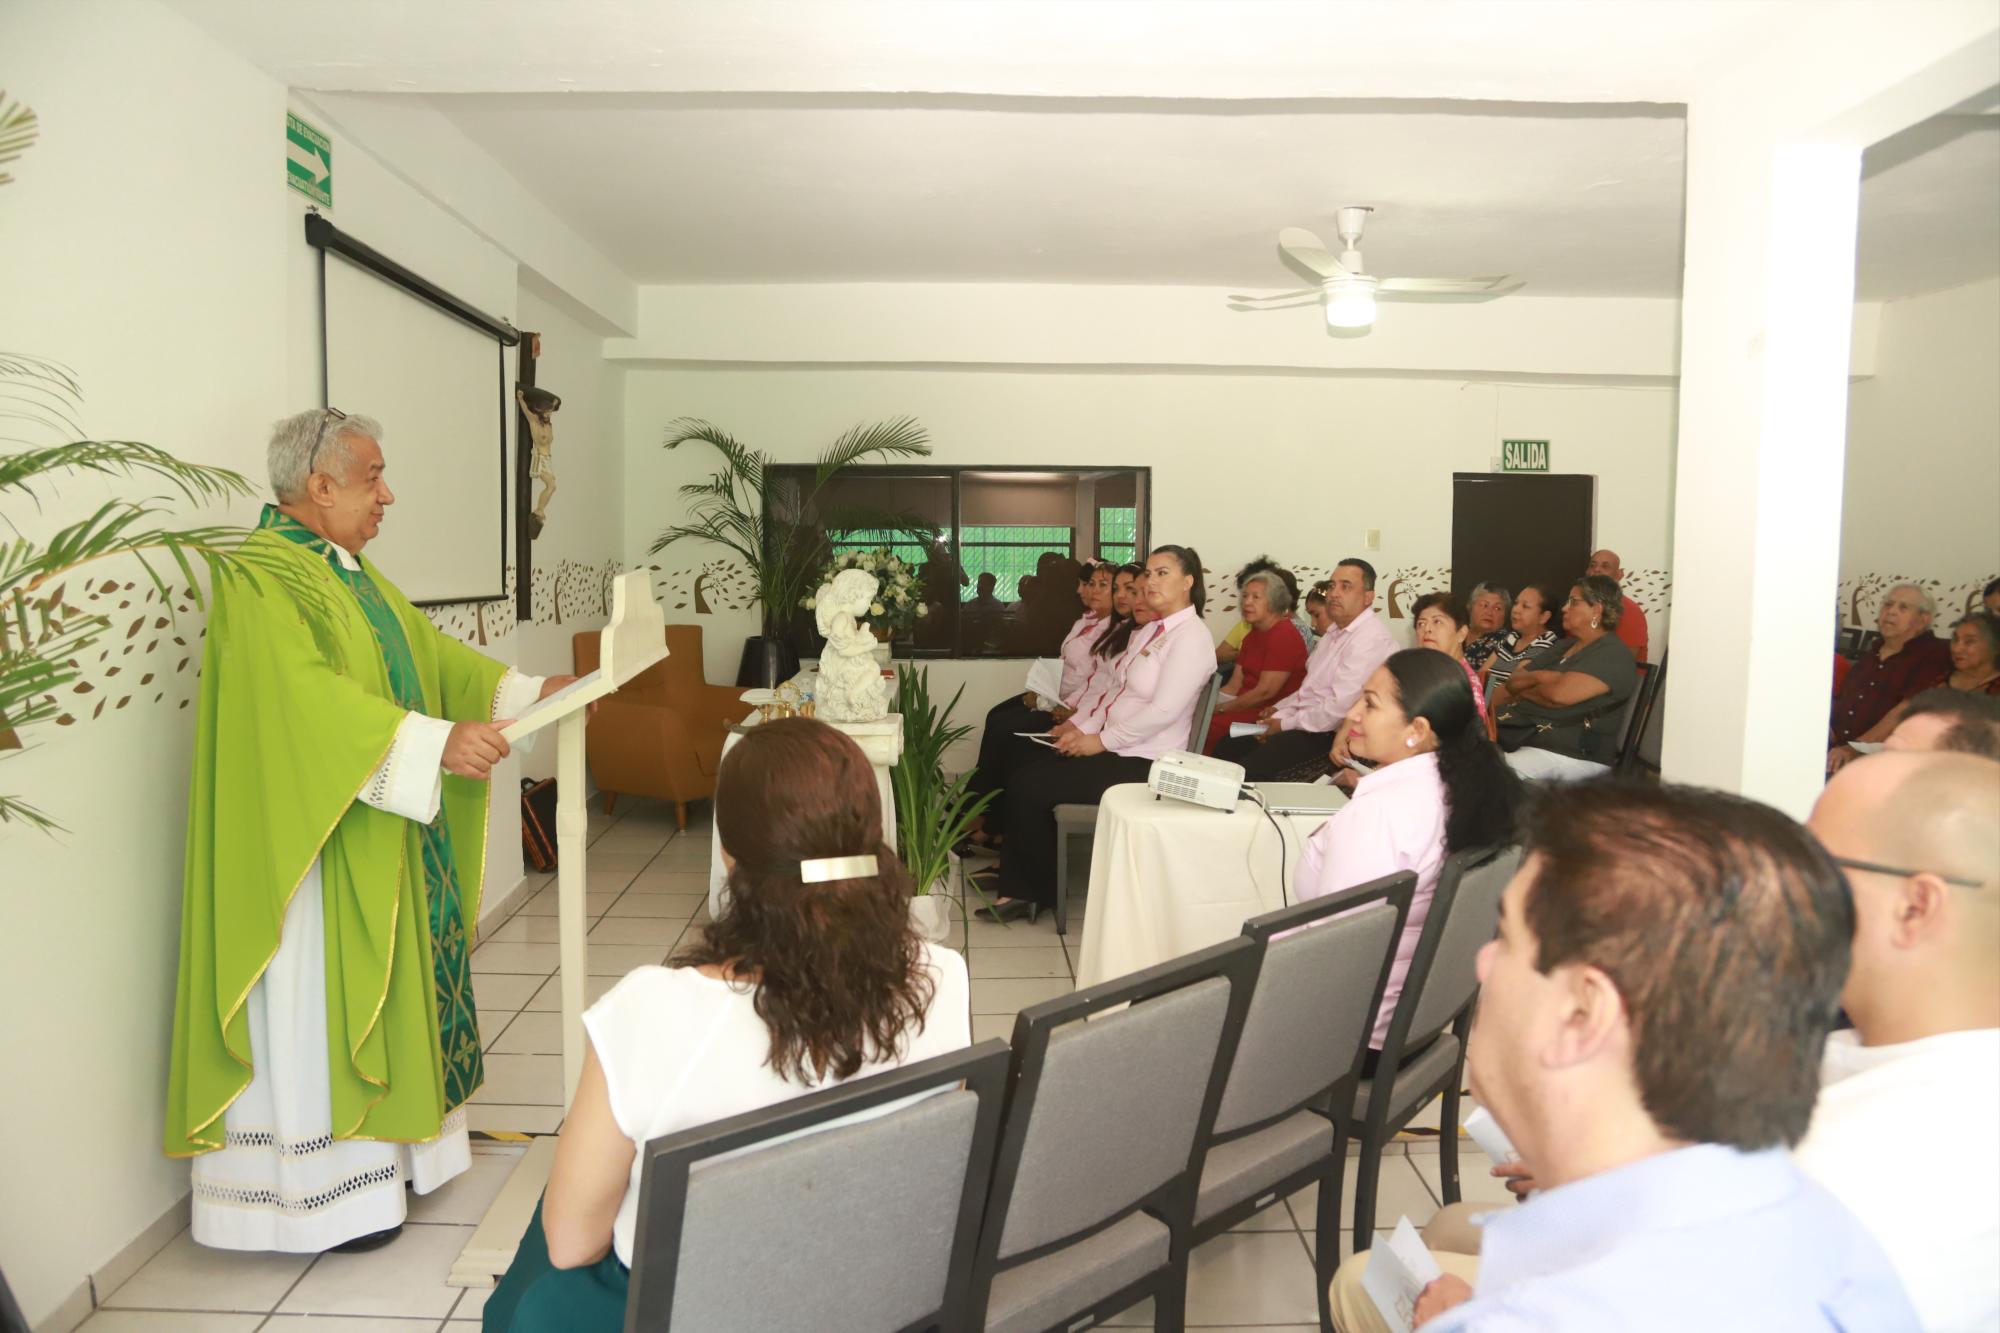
438	386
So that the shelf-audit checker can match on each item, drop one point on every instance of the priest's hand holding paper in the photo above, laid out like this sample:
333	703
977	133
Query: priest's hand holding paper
473	749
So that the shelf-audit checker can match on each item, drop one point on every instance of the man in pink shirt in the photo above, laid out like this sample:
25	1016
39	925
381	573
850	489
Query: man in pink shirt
1631	629
1300	728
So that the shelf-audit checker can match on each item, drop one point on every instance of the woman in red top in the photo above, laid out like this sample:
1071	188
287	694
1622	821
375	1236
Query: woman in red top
1270	662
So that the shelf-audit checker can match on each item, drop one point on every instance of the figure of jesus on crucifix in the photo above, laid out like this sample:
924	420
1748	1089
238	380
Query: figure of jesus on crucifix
538	406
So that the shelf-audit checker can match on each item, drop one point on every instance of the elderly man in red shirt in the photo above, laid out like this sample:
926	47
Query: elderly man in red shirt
1909	659
1631	629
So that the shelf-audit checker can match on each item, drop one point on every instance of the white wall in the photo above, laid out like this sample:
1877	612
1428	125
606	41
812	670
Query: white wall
1923	455
1298	466
144	245
151	244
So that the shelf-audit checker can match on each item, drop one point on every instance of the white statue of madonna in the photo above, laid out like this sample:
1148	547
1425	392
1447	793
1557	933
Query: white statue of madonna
851	688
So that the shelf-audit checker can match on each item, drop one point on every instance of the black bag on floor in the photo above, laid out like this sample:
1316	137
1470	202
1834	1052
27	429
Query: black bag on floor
538	824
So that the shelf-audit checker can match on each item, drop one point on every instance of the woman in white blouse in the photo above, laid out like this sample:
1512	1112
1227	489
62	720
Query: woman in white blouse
1438	786
1115	735
812	976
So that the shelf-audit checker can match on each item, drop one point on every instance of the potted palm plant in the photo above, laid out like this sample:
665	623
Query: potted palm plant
933	813
775	535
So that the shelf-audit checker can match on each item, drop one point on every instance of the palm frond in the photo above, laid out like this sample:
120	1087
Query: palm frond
733	509
196	482
14	810
899	438
37	389
707	528
18	128
746	464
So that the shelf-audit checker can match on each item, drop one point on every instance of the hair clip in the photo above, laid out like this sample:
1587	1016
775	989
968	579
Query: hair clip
829	868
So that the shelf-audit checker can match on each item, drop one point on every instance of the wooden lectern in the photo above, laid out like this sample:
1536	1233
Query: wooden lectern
633	641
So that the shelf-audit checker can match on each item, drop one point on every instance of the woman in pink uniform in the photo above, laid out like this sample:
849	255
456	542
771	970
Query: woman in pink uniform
1088	657
1115	734
1438	786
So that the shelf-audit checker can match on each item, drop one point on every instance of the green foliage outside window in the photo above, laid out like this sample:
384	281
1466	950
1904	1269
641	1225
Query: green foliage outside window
1118	535
1007	552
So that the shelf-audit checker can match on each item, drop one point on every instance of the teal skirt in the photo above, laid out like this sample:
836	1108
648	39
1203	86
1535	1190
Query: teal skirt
534	1296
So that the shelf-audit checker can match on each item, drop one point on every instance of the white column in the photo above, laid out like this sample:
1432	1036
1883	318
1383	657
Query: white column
1774	153
1766	315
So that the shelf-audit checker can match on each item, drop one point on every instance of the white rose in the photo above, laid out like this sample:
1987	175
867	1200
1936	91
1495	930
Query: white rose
876	609
923	610
809	602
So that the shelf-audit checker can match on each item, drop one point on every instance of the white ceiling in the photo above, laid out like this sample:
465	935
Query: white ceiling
1157	142
977	191
1930	208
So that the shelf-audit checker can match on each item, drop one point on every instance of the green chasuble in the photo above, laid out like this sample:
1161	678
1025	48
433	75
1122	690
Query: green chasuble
285	741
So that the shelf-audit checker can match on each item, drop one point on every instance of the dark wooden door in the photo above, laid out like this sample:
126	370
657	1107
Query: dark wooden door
1515	529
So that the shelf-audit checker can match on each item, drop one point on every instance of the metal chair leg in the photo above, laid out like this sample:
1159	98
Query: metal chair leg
1062	880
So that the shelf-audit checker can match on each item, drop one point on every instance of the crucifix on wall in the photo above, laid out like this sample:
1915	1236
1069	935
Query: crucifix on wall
534	463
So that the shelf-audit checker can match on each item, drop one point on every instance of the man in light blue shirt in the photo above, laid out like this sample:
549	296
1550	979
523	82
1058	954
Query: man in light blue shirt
1651	1019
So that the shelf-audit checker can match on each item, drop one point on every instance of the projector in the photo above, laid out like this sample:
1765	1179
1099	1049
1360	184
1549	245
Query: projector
1196	779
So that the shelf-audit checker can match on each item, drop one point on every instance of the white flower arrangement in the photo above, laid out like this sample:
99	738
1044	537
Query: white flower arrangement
898	603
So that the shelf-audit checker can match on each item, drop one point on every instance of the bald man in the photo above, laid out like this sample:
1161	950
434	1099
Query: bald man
1631	627
1919	837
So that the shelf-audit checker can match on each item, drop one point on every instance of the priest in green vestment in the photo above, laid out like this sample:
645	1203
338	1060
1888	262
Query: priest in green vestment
325	1036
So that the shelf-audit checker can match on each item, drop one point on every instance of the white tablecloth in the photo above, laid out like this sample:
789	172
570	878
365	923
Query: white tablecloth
881	741
1167	878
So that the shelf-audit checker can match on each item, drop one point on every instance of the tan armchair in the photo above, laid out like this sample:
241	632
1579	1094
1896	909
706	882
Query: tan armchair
661	735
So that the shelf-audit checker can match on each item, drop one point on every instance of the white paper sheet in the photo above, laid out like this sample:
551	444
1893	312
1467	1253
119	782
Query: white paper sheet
1245	729
1399	1269
553	702
1045	678
1039	738
1492	1139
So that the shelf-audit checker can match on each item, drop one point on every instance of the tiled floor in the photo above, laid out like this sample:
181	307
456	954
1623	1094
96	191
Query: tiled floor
646	890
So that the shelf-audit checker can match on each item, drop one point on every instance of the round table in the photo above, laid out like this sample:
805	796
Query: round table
1167	878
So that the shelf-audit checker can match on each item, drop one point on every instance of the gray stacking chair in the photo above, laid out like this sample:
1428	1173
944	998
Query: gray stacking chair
869	1196
1641	752
1424	1052
1652	676
1076	821
1112	1096
1282	1124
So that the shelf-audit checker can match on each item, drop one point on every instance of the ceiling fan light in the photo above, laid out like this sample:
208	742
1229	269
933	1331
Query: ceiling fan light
1350	310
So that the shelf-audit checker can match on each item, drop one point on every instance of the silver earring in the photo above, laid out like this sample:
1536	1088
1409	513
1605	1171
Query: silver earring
1593	624
1410	742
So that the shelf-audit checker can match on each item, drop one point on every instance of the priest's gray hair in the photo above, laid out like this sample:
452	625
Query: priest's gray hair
314	441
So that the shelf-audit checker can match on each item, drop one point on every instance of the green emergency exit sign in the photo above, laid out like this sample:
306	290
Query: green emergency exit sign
308	161
1524	455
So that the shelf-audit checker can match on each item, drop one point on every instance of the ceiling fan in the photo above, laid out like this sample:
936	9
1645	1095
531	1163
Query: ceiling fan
1346	289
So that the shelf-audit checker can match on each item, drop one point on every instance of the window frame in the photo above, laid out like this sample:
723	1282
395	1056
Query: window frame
954	474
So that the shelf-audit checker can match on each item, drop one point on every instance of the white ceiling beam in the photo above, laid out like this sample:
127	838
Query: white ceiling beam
1008	326
1522	50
